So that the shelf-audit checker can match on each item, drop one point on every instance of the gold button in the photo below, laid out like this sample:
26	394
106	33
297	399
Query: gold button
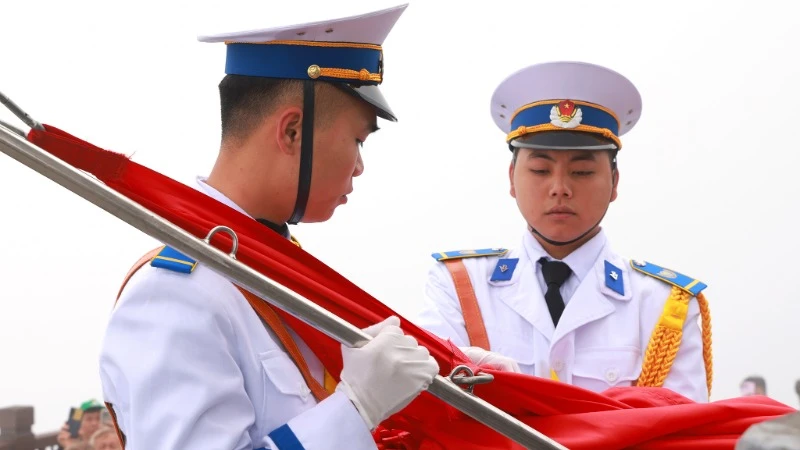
314	71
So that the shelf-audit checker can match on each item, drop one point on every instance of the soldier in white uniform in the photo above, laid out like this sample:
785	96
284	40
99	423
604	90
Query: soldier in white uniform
186	361
564	305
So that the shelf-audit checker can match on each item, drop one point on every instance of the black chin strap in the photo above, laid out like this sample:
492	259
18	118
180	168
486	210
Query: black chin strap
559	243
306	153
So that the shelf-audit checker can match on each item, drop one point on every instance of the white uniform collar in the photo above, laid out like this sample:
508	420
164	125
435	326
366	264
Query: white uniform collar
580	261
203	186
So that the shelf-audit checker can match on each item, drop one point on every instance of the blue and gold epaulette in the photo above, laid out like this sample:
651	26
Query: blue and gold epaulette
458	254
679	280
171	259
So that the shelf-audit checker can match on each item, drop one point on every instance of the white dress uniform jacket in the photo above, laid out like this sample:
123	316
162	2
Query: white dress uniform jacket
602	336
187	364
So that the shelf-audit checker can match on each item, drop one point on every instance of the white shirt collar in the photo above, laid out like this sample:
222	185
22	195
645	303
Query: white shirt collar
202	185
580	261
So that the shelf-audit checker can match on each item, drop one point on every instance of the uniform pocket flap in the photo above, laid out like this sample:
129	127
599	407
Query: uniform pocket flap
610	365
283	373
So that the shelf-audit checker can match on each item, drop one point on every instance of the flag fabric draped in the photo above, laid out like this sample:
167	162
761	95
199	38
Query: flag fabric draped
620	418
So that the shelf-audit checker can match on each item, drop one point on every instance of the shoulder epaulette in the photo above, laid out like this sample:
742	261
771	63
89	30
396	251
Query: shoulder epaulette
458	254
171	259
688	284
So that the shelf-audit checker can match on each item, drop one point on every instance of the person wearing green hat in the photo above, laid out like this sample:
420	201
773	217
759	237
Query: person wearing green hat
89	416
91	406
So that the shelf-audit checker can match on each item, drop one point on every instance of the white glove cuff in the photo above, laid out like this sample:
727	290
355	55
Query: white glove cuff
343	387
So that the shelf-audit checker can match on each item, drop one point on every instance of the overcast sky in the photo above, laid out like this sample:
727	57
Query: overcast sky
709	176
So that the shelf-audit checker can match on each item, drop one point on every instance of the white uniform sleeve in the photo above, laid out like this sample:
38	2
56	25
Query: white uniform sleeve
169	367
688	375
441	312
315	429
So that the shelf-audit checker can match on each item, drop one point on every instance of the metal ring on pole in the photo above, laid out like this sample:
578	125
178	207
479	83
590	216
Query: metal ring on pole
464	376
230	232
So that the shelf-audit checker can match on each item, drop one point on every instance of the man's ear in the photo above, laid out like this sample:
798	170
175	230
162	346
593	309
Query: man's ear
511	179
615	182
289	129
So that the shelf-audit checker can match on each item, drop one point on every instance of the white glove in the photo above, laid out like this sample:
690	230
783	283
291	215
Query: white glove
481	357
387	373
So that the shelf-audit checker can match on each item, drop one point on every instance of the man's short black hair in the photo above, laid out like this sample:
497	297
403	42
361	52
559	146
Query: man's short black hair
245	101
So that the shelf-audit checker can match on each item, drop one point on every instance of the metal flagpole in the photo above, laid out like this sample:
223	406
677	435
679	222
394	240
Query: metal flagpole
446	389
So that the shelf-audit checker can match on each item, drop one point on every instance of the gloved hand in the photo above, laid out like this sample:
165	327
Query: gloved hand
387	373
481	357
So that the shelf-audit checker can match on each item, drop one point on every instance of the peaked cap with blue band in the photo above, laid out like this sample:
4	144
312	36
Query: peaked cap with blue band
566	106
345	51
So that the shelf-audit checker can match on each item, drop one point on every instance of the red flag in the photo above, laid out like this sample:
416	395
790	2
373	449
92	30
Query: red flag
643	418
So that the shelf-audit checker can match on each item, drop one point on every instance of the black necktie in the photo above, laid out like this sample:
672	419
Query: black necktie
555	274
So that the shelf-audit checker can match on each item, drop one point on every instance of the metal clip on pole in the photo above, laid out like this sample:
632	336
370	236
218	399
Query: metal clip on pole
464	376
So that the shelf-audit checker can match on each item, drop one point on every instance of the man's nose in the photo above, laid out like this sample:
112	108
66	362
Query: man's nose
359	169
561	186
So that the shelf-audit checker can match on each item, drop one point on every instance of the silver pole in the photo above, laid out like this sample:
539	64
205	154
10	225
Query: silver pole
22	115
278	295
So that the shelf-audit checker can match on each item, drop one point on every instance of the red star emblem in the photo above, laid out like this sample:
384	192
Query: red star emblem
566	108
